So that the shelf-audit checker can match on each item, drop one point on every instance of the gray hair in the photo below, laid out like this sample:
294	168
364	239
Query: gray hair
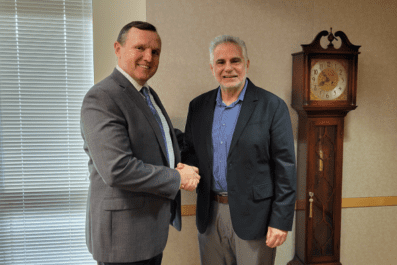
224	39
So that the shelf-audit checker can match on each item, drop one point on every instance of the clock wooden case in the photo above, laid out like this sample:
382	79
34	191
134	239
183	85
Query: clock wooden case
324	89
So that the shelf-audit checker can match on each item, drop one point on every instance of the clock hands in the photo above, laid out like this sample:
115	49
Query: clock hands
323	82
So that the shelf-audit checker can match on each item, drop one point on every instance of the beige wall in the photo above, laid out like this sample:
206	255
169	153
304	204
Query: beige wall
273	30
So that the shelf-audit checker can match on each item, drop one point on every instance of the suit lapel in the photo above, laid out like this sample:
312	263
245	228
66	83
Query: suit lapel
172	132
139	101
249	104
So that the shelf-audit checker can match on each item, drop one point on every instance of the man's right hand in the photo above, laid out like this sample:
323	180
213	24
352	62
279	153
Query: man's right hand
189	176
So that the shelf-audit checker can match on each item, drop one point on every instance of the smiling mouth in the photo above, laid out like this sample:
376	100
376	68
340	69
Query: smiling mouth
232	76
144	66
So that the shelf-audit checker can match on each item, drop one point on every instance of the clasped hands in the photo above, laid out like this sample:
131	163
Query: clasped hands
189	176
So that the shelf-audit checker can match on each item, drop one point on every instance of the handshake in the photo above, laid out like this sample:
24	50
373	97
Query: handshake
189	176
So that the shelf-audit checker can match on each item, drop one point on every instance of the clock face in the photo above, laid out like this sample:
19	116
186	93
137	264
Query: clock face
328	79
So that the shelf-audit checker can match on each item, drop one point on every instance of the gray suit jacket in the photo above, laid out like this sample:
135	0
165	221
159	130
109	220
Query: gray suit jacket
133	194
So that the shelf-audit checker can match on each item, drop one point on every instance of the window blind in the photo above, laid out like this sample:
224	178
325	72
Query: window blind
46	67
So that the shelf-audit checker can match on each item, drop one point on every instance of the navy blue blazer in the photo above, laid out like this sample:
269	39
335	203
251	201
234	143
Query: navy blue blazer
261	172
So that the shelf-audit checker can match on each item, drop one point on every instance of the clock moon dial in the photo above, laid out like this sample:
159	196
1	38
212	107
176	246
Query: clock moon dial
328	79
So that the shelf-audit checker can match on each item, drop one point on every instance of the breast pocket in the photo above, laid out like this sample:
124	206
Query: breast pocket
256	134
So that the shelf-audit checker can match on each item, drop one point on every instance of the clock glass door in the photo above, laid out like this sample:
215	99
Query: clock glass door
322	192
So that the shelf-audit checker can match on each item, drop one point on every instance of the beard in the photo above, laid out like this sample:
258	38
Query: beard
236	86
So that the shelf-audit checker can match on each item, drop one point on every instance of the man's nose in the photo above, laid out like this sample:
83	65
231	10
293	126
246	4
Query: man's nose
147	56
228	66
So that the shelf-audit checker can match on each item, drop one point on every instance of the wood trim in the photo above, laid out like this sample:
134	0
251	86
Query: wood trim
190	210
359	202
369	202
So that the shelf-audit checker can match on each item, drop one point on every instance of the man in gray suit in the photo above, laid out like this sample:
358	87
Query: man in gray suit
134	191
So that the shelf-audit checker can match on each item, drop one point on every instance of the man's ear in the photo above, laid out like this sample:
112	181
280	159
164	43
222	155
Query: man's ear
248	66
117	47
212	69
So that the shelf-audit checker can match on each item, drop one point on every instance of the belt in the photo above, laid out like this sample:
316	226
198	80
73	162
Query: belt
220	198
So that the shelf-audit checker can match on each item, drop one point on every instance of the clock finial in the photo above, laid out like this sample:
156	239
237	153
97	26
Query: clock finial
331	38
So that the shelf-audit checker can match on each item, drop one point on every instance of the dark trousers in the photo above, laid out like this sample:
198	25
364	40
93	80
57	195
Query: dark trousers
153	261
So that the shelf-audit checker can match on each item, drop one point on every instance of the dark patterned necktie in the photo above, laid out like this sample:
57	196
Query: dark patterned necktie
145	92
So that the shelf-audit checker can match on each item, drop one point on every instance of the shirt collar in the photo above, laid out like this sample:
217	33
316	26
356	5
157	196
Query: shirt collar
240	97
132	81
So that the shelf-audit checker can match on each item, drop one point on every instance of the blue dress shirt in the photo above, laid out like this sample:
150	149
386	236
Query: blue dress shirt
224	123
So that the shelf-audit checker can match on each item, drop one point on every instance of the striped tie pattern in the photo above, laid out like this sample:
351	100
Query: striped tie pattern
145	92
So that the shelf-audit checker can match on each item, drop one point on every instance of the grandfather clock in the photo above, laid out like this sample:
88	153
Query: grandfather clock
324	82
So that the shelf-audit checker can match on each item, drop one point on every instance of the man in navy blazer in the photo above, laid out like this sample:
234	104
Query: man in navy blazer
240	138
133	150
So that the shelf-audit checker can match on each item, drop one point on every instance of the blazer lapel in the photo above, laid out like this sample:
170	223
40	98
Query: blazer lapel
208	116
249	104
137	98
